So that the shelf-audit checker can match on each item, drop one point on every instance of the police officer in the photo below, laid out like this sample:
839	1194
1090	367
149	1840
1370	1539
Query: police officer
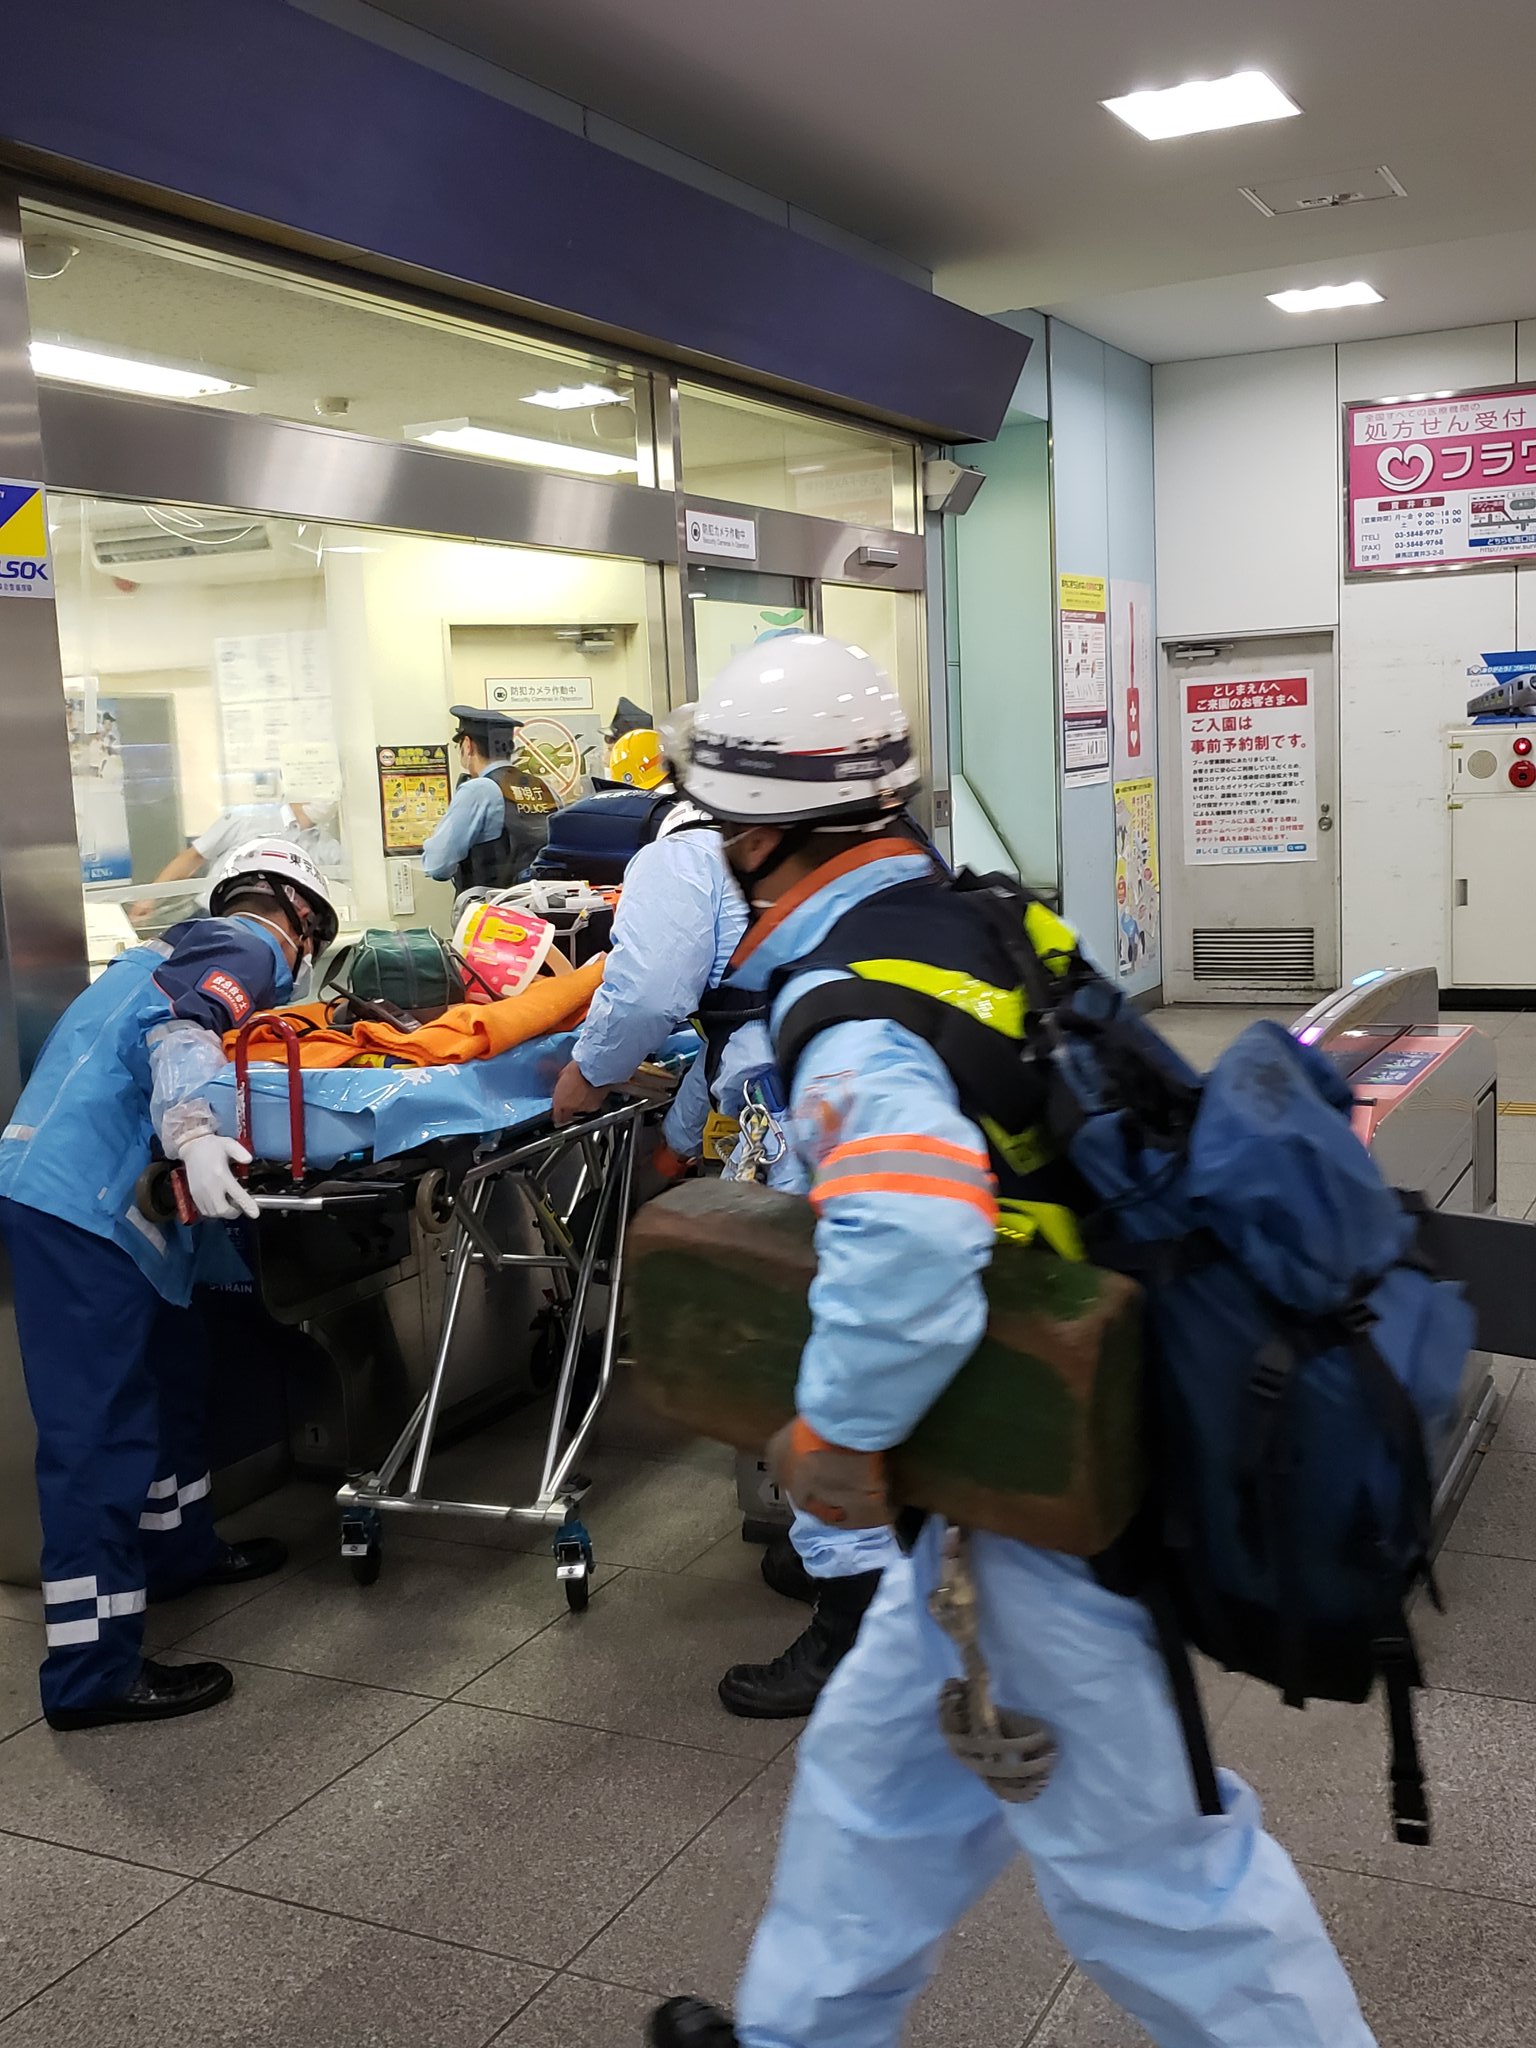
1199	1926
499	816
114	1359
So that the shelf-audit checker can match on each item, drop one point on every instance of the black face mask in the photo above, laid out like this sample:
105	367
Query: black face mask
788	843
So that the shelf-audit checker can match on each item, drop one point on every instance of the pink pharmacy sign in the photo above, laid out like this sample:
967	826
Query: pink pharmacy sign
1441	483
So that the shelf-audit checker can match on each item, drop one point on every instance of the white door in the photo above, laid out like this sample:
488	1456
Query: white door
1250	771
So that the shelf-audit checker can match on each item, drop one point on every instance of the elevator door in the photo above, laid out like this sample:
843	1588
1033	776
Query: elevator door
1250	771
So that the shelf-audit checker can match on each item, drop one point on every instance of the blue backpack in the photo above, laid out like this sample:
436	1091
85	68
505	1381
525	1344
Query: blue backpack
1305	1363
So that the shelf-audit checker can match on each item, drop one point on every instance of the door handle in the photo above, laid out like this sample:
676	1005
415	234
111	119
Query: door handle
1461	894
1325	819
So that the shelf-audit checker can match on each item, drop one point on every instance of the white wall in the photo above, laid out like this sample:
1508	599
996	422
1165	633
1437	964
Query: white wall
1249	540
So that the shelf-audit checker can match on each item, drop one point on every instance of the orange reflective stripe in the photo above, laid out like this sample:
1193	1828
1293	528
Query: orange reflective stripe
905	1184
904	1141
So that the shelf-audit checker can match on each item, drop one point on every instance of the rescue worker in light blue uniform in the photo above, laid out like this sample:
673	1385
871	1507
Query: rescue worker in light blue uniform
114	1358
1199	1927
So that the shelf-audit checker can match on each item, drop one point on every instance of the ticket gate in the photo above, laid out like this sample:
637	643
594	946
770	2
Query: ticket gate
1426	1103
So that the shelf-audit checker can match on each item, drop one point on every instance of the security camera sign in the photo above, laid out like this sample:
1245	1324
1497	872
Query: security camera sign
25	570
1442	483
715	533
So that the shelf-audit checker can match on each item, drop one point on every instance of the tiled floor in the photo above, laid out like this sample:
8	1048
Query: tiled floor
441	1812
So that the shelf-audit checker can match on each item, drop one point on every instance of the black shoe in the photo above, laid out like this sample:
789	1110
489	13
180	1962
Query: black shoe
159	1693
690	2023
792	1683
782	1570
256	1558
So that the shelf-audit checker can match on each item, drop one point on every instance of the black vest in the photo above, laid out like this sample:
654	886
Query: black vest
527	805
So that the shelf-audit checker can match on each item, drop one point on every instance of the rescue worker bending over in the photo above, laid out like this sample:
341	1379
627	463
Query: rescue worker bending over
499	816
1198	1926
678	921
114	1359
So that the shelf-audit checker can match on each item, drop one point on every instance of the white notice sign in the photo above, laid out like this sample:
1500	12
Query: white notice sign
715	533
1250	768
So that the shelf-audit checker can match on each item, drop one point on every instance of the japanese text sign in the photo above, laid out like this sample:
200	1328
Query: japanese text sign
1441	483
1250	775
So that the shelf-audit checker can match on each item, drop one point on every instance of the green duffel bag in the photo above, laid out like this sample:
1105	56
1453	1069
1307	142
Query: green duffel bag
412	975
1038	1435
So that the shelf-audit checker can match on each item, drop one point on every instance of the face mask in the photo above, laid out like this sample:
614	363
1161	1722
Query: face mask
283	991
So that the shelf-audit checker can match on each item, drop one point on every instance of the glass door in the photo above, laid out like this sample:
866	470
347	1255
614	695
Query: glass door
729	609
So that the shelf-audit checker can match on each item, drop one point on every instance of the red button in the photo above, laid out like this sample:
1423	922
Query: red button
1522	746
1523	774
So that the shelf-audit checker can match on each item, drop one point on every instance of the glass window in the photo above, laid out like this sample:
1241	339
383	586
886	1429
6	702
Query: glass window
888	624
230	674
756	454
121	310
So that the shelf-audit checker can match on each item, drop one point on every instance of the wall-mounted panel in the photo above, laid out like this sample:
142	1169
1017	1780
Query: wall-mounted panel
1247	493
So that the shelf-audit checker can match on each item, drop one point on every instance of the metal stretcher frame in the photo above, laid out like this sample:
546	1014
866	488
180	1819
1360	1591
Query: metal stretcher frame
605	1148
582	1231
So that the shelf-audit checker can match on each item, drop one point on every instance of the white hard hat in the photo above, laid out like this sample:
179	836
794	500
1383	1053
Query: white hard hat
278	868
799	729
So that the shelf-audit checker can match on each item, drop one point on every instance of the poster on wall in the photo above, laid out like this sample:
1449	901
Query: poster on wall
275	716
561	740
1083	628
1137	890
1441	483
1248	745
1130	669
96	779
414	793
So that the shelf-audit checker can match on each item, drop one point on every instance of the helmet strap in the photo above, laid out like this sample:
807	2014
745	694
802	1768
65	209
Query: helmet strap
790	841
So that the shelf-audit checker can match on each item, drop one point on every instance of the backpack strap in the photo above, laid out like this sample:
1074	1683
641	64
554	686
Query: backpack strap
988	1069
1398	1667
1186	1696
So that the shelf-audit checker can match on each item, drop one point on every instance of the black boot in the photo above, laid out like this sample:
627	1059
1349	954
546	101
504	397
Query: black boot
783	1571
791	1684
159	1693
690	2023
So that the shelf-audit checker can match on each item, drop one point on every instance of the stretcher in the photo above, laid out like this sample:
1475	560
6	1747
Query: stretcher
431	1146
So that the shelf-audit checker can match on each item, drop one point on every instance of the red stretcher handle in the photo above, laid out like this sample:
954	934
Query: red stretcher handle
290	1038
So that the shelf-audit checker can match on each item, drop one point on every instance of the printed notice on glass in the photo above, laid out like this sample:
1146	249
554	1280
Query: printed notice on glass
414	794
1250	768
1083	623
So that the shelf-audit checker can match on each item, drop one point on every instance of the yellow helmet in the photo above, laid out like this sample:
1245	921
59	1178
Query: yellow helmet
637	758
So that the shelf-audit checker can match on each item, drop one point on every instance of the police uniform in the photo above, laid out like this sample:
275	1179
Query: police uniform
112	1354
498	819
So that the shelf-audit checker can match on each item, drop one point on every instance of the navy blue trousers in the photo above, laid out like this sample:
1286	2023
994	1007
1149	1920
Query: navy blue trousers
117	1380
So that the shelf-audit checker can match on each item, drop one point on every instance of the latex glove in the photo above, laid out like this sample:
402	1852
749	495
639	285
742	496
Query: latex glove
575	1096
844	1488
209	1163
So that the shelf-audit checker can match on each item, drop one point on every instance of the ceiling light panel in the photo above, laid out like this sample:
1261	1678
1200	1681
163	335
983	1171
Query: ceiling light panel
1326	298
1204	104
471	437
571	397
71	364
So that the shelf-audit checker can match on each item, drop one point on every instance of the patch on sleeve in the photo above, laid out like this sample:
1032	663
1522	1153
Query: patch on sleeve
819	1116
223	987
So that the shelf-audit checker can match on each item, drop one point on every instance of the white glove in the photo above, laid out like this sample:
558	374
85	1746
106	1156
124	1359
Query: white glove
210	1163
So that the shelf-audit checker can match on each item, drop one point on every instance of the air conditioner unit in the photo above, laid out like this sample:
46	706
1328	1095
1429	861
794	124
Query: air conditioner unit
206	547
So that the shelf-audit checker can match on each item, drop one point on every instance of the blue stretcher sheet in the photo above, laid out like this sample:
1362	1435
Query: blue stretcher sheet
379	1112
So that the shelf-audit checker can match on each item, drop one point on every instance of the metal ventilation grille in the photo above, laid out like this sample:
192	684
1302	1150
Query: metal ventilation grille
150	544
1482	764
1281	958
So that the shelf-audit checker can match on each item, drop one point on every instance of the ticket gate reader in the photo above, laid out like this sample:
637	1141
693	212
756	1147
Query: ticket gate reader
1426	1104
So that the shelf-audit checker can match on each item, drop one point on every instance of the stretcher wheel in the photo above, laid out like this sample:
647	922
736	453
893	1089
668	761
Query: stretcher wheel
577	1594
573	1564
153	1195
434	1205
366	1569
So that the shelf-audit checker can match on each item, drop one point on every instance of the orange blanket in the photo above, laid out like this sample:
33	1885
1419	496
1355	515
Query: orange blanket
466	1031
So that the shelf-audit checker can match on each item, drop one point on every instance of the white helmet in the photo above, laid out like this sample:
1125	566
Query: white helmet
799	729
285	872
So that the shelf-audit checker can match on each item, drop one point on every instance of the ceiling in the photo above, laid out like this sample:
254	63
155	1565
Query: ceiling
968	137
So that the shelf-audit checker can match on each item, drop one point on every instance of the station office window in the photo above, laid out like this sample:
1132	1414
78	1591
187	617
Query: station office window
122	310
756	454
229	674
